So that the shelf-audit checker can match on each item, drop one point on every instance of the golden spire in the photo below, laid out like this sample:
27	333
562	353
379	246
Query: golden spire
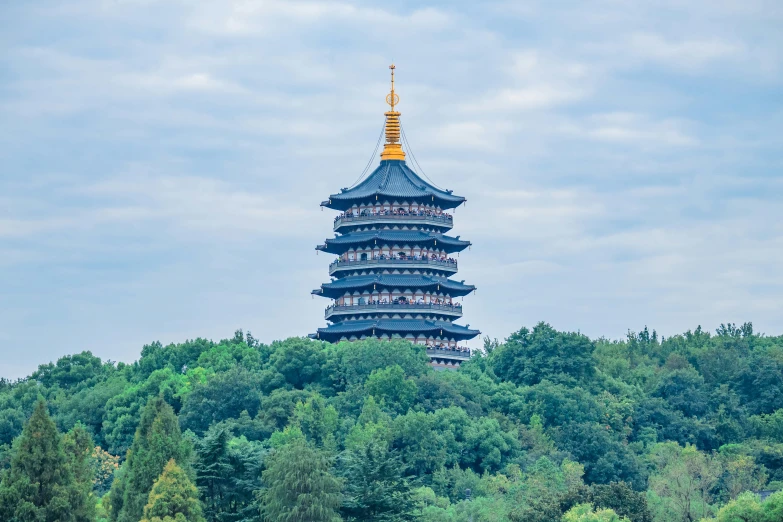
392	149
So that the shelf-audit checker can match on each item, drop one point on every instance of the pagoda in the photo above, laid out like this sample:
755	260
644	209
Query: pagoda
391	278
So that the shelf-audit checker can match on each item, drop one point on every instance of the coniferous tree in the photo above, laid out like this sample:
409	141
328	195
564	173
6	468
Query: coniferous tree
157	440
173	498
46	483
228	473
376	488
77	445
213	471
299	486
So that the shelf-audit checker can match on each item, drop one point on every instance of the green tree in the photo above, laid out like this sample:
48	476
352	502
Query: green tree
682	485
77	445
158	439
528	357
390	387
375	485
747	508
224	396
298	359
586	513
352	362
299	486
538	497
45	482
604	453
173	498
227	474
318	421
740	473
620	497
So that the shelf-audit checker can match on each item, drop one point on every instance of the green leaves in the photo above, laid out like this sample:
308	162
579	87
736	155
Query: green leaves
300	487
49	478
390	387
173	498
528	357
157	440
376	487
681	427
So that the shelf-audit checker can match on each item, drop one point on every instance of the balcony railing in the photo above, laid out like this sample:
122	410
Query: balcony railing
445	219
449	353
450	309
449	263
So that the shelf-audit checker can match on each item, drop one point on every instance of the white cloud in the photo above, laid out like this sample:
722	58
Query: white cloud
636	128
163	163
683	53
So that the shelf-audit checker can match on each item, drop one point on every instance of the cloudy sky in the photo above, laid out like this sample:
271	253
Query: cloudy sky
162	162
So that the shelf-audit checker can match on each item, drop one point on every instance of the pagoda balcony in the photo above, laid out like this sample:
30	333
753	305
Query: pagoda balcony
393	263
448	354
451	310
405	218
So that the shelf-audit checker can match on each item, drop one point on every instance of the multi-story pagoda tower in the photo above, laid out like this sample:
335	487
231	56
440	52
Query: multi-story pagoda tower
391	277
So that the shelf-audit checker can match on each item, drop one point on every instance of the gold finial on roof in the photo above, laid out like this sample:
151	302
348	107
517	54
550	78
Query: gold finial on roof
392	149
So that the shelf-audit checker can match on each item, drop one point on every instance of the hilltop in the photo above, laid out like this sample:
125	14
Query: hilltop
535	427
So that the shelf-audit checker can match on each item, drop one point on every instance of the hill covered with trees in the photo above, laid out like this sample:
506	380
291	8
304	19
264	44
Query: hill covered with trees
546	426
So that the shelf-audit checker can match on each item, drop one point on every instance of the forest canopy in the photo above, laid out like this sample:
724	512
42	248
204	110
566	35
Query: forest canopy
544	426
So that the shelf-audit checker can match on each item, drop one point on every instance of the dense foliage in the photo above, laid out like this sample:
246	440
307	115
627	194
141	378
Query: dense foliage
546	426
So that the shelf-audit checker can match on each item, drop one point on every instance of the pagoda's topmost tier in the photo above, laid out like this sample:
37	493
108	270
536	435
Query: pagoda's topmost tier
395	182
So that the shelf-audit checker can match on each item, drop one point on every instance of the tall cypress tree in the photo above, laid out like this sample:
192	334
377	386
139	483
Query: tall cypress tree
157	440
376	487
173	498
41	484
299	486
77	445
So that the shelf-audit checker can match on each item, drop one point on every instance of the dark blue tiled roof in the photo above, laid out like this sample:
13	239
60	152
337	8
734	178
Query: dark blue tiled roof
393	180
336	331
392	281
340	244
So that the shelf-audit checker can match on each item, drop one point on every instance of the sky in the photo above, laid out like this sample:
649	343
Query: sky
162	162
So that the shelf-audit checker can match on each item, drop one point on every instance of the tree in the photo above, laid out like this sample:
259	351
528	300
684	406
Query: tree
683	482
586	513
747	508
390	386
173	498
45	483
528	357
605	455
11	424
104	467
741	474
375	486
158	439
299	486
352	362
223	396
620	497
77	445
299	360
227	475
538	498
318	421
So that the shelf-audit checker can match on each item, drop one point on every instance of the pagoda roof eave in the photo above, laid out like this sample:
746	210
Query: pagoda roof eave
335	202
379	327
393	180
343	243
393	281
